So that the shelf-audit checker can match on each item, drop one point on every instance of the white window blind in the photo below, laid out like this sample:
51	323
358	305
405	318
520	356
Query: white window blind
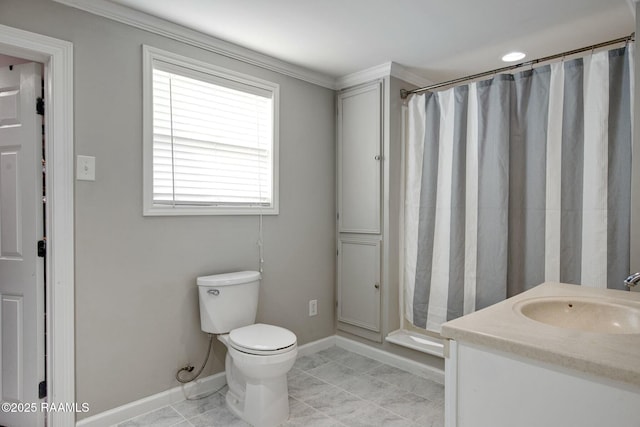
213	140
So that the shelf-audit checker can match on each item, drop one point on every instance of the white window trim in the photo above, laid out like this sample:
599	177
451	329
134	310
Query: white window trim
151	54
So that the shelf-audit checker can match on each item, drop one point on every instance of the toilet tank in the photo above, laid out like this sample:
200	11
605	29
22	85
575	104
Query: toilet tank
228	301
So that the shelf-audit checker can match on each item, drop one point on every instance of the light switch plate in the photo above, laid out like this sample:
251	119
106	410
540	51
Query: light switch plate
86	168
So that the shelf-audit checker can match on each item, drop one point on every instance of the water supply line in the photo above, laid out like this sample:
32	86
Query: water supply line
260	244
189	368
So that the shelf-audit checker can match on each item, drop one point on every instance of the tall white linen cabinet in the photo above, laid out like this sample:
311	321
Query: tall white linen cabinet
359	209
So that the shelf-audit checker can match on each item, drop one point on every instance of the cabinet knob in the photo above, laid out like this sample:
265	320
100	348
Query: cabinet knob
377	157
377	286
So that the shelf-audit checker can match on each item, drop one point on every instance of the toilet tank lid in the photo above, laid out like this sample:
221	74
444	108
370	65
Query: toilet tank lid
227	279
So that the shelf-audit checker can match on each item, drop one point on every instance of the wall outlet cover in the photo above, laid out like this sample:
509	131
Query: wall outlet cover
313	307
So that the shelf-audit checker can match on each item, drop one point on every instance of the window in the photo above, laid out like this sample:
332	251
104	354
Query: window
210	139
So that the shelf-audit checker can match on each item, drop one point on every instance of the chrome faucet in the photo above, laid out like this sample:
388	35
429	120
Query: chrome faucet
632	280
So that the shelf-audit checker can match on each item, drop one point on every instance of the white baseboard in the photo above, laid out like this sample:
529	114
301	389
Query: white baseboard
399	362
216	381
316	346
156	401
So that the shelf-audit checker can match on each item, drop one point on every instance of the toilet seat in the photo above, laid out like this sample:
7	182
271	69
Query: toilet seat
261	339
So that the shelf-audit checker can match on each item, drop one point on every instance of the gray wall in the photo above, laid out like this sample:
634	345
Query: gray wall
137	318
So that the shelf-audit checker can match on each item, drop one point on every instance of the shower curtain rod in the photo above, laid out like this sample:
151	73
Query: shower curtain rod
405	93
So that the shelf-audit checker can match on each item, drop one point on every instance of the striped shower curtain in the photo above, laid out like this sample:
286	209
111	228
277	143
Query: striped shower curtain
514	181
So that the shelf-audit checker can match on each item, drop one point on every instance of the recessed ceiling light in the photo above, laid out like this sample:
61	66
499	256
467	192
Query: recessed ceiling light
513	56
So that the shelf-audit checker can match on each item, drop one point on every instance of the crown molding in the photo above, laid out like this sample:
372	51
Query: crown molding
387	69
177	32
363	76
404	74
162	27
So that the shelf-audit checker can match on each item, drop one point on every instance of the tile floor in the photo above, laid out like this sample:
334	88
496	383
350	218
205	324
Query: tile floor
333	387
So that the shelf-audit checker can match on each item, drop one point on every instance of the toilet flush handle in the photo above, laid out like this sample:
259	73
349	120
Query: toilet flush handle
214	292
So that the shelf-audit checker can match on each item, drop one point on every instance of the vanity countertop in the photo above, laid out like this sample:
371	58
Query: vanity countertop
501	327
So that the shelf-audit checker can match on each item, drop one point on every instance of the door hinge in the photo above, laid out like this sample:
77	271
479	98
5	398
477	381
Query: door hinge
40	106
42	390
42	248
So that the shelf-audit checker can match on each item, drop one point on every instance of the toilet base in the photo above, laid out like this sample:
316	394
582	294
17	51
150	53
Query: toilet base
265	404
258	391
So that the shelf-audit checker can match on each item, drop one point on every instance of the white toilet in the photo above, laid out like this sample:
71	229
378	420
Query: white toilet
258	355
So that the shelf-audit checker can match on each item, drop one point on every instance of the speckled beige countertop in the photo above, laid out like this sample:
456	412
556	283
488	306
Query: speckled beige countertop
501	327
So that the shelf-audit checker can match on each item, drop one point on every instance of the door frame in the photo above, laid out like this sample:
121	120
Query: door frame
57	57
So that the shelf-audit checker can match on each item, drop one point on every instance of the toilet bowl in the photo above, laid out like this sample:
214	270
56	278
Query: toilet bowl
258	355
257	377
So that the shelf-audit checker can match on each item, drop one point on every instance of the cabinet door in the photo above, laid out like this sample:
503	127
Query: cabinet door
359	282
359	159
489	387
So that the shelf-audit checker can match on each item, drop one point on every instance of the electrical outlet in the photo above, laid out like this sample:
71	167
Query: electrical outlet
313	307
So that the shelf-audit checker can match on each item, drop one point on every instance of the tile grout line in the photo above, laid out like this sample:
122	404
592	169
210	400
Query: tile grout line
366	372
338	361
205	412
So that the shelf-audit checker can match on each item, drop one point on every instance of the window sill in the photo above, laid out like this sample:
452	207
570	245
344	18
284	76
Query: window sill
198	210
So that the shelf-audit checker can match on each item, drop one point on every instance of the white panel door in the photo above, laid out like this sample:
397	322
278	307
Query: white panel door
359	281
359	159
21	226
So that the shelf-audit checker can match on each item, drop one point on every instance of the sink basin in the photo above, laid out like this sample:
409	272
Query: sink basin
582	314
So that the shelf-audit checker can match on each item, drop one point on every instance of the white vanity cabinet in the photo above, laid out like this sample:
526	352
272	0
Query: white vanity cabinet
575	366
359	209
485	387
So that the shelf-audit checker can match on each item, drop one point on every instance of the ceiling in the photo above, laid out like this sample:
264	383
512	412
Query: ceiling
435	39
